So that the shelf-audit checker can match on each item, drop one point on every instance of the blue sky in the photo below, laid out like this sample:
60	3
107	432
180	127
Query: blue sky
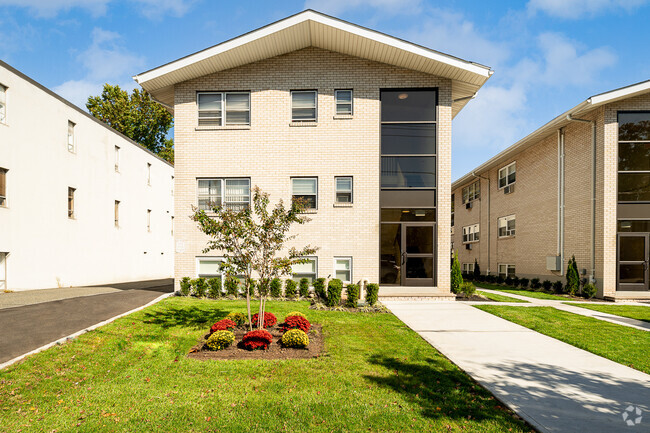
548	55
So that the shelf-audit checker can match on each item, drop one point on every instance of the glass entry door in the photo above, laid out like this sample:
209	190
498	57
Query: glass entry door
407	254
633	258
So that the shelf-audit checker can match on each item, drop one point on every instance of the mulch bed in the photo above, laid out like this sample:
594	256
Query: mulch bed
275	350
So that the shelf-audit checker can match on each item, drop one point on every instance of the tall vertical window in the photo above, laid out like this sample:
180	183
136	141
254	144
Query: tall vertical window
224	108
634	156
307	270
306	189
117	159
453	212
3	187
3	104
172	189
71	142
507	175
304	105
343	100
71	192
172	226
235	194
506	226
148	220
117	213
148	174
343	269
343	189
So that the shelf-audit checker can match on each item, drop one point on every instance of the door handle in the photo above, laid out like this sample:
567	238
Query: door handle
403	258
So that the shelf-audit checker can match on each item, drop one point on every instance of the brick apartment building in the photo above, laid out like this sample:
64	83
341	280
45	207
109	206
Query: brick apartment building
356	121
579	185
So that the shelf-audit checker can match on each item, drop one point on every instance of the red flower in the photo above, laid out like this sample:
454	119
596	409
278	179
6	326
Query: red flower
222	325
296	322
269	319
258	339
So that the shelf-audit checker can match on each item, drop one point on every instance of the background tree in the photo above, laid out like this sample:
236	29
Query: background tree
252	242
456	275
572	277
137	116
477	270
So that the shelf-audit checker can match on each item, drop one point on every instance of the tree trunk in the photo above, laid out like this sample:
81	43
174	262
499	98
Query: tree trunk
248	304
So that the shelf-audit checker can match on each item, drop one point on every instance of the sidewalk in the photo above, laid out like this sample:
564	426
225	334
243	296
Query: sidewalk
554	386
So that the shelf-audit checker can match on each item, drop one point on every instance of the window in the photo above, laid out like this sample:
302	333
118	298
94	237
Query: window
148	220
148	174
343	269
506	226
471	233
117	213
3	104
472	192
343	100
343	189
172	189
468	268
453	212
305	188
3	187
71	144
507	175
634	156
172	226
117	159
307	270
71	192
506	270
303	105
209	267
213	105
235	194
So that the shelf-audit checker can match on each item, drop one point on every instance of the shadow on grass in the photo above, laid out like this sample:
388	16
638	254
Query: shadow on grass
188	317
440	391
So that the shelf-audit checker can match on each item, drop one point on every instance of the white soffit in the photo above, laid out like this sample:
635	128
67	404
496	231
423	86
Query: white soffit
310	28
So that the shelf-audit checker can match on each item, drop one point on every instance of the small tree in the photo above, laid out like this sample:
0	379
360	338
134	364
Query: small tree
456	276
572	277
251	241
477	270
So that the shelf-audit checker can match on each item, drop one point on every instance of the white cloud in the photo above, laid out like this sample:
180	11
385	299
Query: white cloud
336	7
153	9
574	9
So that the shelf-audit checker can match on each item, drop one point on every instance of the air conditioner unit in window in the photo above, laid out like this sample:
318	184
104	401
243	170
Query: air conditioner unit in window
469	205
468	246
508	189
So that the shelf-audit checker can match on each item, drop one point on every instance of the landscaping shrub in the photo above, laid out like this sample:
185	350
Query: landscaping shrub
477	270
223	325
500	279
258	339
232	286
456	276
558	287
296	322
334	289
186	286
269	319
480	278
295	313
319	289
304	288
295	338
276	288
200	287
238	318
467	289
589	291
523	283
372	292
290	289
491	279
547	285
534	283
220	340
214	287
572	277
352	293
508	281
515	281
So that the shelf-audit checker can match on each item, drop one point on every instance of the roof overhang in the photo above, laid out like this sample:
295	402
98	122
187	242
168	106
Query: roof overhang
313	29
551	127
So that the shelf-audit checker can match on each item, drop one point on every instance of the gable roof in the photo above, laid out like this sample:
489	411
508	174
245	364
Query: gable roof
559	122
314	29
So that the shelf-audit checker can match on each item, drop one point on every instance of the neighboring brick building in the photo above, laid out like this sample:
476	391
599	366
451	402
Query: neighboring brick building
534	208
308	106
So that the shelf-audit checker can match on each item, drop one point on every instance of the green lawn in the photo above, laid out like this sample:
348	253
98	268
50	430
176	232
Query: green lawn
619	343
133	375
632	311
522	292
499	298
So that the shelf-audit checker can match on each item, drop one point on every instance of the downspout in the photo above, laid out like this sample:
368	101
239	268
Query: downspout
592	274
488	219
560	198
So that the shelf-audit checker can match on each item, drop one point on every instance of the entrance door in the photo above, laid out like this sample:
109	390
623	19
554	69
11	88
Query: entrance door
633	258
407	254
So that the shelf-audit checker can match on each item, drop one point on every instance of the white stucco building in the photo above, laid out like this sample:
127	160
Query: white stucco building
80	204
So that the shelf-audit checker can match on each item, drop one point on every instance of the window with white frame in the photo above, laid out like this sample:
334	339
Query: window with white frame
506	226
468	268
472	192
306	189
210	267
117	213
3	104
471	233
3	187
343	189
507	175
307	270
71	143
71	192
303	105
224	108
234	194
343	100
506	270
117	159
343	269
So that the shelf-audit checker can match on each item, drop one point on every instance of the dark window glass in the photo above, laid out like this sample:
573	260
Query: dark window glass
408	172
419	240
634	226
631	274
634	156
408	105
419	267
391	254
634	126
408	138
408	214
632	248
634	187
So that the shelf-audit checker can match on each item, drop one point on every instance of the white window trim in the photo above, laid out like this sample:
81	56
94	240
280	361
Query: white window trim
505	219
315	259
474	230
222	181
336	102
72	147
315	119
217	259
506	176
349	259
476	195
336	190
468	268
507	266
316	194
223	120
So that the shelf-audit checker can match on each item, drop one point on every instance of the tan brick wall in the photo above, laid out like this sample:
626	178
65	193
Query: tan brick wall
271	151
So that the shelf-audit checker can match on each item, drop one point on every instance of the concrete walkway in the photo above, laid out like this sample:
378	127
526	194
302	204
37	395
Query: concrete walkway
554	386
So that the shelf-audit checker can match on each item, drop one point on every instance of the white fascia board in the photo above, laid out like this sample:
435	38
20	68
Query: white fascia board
624	92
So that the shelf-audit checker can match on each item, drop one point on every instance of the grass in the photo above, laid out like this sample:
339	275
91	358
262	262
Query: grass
631	311
499	298
133	375
522	292
619	343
